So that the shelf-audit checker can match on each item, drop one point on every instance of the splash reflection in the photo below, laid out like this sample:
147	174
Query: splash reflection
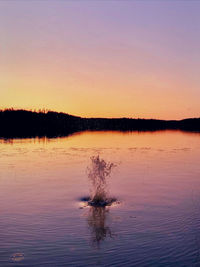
97	221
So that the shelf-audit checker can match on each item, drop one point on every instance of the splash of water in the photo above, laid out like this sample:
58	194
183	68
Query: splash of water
98	172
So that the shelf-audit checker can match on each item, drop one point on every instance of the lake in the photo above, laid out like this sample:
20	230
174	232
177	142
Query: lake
156	221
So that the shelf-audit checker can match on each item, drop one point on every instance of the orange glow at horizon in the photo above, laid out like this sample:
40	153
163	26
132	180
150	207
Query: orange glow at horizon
108	100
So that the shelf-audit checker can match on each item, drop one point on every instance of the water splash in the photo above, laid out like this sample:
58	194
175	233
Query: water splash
98	172
99	200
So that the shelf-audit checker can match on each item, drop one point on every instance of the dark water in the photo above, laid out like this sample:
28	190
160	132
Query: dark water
157	180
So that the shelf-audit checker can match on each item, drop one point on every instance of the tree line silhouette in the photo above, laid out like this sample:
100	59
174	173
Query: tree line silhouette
24	123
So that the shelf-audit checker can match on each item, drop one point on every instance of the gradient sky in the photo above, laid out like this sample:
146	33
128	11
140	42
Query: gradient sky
101	58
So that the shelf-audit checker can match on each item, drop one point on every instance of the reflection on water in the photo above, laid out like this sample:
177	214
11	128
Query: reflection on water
98	225
158	184
16	257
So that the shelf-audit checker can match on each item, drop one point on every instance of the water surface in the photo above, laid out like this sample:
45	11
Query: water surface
157	180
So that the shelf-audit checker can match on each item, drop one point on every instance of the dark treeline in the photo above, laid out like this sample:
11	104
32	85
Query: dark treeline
23	123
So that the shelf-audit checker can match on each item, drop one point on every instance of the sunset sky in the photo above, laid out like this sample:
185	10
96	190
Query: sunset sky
101	58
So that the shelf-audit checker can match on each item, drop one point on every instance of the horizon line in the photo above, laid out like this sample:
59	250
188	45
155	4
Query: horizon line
45	111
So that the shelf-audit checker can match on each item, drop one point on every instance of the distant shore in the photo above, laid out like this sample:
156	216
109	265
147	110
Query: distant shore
24	123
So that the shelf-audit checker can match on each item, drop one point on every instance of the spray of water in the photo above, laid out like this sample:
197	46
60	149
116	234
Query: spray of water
98	172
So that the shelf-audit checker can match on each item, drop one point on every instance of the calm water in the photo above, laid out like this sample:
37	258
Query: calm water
157	180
